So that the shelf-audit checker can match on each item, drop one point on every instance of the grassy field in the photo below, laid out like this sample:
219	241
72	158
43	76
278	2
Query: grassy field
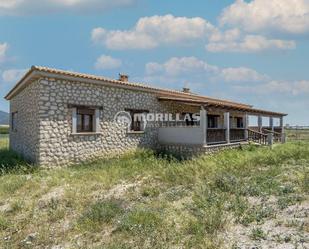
234	199
4	129
298	134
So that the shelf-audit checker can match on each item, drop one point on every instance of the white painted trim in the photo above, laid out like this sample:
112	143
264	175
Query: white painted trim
227	126
203	124
246	126
97	127
74	120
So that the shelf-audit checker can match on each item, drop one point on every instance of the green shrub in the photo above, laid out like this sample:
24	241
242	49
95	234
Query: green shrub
226	182
12	184
257	234
285	201
141	221
304	181
257	214
99	213
150	192
4	129
10	162
4	224
208	208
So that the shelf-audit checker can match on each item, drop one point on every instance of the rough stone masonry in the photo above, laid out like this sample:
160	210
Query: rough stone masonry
44	124
48	107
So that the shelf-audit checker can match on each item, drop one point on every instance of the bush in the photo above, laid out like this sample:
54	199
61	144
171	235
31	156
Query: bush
258	234
150	192
140	221
4	224
4	129
208	208
100	213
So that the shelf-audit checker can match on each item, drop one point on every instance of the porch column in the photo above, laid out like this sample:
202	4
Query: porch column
271	123
260	123
283	135
281	124
246	126
227	126
203	124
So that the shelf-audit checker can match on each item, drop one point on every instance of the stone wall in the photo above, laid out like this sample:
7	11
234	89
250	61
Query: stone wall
190	151
24	140
58	145
44	124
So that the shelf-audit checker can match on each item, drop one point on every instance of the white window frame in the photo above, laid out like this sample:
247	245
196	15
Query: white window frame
95	122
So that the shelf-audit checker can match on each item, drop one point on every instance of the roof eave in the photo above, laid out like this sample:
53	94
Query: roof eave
222	105
61	74
164	94
28	75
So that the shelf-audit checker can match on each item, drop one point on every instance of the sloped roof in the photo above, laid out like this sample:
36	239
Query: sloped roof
38	72
249	110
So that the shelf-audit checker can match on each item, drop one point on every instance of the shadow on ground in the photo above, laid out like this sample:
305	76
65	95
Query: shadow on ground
10	162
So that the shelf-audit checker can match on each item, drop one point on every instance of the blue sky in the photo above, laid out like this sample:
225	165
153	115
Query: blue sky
248	51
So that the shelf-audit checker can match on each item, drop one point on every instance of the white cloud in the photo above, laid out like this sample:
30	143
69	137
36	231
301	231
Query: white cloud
249	43
29	7
283	16
154	31
150	32
241	74
12	75
177	66
120	40
3	49
106	62
193	68
289	88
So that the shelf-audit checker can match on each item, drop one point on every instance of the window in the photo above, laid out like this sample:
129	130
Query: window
239	122
138	122
85	119
13	121
213	121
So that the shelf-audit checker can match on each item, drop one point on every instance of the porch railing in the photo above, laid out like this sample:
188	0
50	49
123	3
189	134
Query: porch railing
194	134
277	136
237	134
215	135
257	137
179	124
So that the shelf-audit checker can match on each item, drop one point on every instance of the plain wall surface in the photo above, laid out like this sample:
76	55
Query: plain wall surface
181	135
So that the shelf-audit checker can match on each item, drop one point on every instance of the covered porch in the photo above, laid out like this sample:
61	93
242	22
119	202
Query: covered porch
221	124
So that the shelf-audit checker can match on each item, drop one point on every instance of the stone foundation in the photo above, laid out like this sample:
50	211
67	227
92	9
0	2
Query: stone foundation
190	151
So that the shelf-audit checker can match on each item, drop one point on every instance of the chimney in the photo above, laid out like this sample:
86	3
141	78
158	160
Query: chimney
186	90
124	77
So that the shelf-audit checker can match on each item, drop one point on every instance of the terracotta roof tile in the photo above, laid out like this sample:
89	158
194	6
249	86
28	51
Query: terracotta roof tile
161	92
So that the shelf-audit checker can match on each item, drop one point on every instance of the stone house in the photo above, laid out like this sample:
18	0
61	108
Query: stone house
59	117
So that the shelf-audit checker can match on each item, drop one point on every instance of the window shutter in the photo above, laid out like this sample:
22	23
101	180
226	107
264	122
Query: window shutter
74	120
96	122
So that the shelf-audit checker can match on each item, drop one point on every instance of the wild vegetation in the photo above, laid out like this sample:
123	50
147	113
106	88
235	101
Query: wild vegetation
249	197
4	129
298	133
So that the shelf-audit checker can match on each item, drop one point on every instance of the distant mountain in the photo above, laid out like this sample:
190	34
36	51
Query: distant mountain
4	118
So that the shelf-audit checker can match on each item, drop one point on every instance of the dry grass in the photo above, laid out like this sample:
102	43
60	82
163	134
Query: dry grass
143	200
